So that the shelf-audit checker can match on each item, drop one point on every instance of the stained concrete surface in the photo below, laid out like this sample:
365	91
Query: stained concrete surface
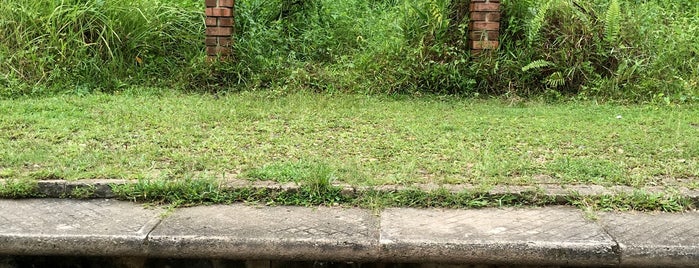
541	237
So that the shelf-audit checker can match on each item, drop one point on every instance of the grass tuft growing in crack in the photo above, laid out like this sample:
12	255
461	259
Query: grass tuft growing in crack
186	191
637	200
15	189
82	192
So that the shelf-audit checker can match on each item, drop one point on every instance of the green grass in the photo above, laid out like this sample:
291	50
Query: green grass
188	192
354	139
625	50
18	189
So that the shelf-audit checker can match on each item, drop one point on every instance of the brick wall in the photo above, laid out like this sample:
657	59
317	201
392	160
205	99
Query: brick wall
485	25
219	28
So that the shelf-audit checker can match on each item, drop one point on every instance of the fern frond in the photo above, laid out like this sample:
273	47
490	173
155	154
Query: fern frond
537	64
538	21
612	22
555	80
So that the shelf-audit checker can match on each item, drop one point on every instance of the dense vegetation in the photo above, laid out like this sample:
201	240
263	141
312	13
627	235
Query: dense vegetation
632	50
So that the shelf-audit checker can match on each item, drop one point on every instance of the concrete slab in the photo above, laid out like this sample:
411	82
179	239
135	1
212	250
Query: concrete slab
74	227
277	233
537	236
655	239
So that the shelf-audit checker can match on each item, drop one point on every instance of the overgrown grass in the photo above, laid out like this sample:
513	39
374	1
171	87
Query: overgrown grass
78	46
630	50
188	192
354	139
206	190
13	188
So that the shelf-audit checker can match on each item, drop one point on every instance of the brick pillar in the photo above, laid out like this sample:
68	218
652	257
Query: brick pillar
219	28
485	25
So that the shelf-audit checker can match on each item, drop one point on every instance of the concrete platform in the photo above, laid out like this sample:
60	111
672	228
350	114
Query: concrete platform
552	236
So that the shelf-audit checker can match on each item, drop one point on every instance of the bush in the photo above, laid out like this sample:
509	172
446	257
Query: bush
634	50
96	44
600	49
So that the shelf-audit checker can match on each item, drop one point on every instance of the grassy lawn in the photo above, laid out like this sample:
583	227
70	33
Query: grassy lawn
355	139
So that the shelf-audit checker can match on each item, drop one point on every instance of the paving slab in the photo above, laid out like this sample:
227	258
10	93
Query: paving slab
74	227
281	233
655	239
538	236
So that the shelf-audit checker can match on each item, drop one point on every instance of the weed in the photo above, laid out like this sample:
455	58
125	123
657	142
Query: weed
638	200
82	192
194	192
172	191
12	188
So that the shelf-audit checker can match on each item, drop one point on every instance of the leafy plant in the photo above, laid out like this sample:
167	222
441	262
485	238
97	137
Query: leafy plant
612	21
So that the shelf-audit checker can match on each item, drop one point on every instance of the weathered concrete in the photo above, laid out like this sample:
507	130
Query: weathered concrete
286	233
659	239
99	188
552	236
71	227
548	236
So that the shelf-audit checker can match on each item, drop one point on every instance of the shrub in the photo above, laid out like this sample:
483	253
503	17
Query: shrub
634	50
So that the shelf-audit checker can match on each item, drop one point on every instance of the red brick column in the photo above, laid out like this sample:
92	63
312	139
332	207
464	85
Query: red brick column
485	25
219	28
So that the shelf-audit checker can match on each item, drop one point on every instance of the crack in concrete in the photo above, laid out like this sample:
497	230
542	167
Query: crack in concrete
616	248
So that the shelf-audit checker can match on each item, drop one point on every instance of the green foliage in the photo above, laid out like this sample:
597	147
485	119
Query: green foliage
537	64
585	170
301	172
95	45
82	192
621	49
347	138
612	26
195	192
172	191
538	21
607	56
637	200
12	188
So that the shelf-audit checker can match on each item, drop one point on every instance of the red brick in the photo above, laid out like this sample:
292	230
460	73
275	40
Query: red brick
211	3
225	41
211	21
484	26
476	45
477	7
217	50
226	3
211	41
485	16
219	12
219	31
225	22
483	35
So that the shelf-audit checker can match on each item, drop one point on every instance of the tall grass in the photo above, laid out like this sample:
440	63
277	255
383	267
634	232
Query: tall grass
85	45
637	50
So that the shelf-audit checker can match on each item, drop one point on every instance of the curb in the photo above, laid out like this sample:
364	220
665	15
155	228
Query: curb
551	236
